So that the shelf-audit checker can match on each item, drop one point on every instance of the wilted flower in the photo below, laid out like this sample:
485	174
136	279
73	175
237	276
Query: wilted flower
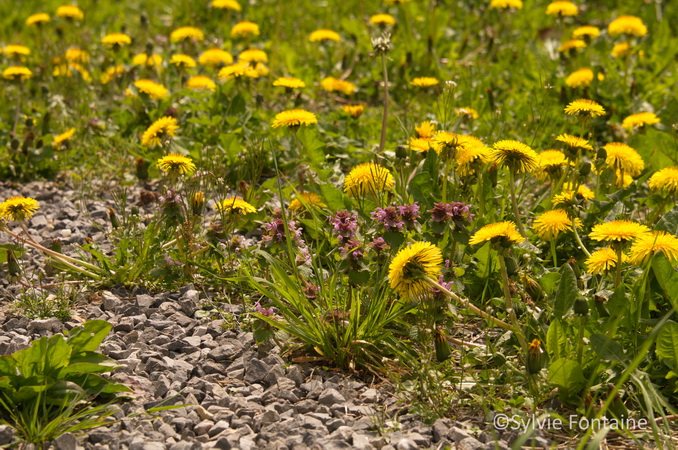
458	212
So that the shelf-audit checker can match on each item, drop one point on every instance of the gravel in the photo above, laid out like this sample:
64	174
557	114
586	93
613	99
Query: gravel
171	352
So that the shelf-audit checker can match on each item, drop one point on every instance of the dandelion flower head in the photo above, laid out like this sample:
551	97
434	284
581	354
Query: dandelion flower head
411	266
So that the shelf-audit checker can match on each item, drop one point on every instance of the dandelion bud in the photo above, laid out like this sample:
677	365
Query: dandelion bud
511	264
134	211
585	169
15	144
197	203
443	351
601	155
13	267
534	357
142	169
29	122
532	287
113	217
56	245
581	306
401	152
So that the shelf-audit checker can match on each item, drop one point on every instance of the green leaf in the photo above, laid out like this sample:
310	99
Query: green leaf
567	292
669	222
45	357
667	345
556	340
607	348
667	277
566	374
88	337
334	198
549	282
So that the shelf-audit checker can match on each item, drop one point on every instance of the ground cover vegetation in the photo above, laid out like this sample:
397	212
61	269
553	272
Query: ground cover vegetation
473	199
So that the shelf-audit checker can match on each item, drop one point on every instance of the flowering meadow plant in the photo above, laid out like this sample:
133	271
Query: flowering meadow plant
476	201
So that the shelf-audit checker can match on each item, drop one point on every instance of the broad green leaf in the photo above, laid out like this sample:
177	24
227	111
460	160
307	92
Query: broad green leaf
607	348
88	337
667	277
549	282
667	345
556	340
669	222
45	357
566	374
567	292
334	198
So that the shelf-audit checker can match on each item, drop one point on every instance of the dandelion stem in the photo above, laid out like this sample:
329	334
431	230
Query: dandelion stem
553	253
465	303
578	239
514	203
509	303
617	278
384	118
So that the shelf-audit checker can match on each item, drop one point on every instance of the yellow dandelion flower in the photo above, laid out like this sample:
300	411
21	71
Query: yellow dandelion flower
603	261
294	118
242	69
331	84
13	50
154	90
580	78
466	112
324	35
235	205
503	233
116	40
666	180
353	110
584	108
425	130
112	72
515	155
411	266
159	131
67	70
562	9
506	4
244	29
550	164
75	54
621	50
175	164
424	82
586	32
37	19
627	25
16	73
368	178
182	61
618	231
201	82
574	141
639	120
233	5
70	12
142	59
63	137
472	156
396	2
289	83
382	19
306	199
18	208
253	55
550	224
571	45
622	157
646	246
567	196
187	34
420	144
215	57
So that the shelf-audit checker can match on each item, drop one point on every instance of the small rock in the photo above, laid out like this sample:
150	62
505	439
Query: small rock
470	443
6	434
361	442
52	324
109	301
255	370
330	397
369	396
406	444
145	301
218	428
203	427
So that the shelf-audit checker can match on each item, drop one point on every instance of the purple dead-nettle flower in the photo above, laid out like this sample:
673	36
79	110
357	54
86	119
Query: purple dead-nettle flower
379	245
389	217
344	224
354	248
456	211
275	231
264	311
410	214
437	293
171	197
311	291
